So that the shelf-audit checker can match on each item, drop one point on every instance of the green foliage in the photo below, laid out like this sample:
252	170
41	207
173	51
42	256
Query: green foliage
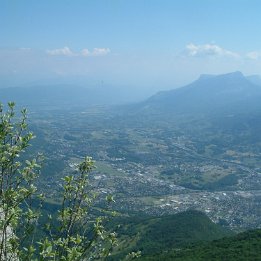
69	234
16	182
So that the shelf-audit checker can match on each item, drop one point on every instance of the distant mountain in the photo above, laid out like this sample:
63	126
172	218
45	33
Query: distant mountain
153	235
68	95
256	79
227	93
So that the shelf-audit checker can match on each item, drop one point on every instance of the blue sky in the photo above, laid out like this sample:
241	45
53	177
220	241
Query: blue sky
142	43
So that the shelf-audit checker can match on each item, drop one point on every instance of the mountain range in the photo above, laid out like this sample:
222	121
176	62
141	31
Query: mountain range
70	95
227	93
230	92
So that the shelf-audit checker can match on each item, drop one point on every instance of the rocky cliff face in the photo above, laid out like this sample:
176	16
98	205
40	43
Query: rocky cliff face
6	235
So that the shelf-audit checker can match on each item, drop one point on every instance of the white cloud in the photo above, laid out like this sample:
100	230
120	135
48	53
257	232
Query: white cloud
253	55
209	50
66	51
85	52
100	51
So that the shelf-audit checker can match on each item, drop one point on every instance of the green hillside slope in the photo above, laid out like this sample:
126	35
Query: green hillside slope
152	235
244	246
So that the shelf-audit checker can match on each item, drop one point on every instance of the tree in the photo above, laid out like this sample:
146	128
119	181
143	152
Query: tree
67	233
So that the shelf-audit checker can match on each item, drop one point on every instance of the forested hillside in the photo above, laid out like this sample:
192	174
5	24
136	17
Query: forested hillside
242	247
154	235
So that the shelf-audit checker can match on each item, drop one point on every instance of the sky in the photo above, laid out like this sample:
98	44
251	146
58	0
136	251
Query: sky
157	44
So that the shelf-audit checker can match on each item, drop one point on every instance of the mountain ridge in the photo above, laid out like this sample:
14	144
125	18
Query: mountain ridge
208	94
